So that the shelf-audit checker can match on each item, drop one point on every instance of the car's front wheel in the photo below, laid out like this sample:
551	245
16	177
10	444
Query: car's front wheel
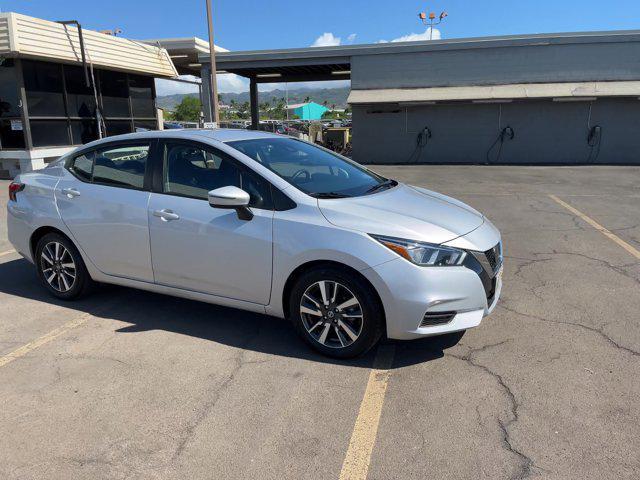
61	268
336	312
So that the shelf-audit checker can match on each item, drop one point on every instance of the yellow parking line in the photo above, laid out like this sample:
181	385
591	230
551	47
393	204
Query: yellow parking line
363	438
2	254
633	251
46	338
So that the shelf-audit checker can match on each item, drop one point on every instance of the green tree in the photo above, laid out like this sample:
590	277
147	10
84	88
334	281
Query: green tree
188	110
244	110
265	108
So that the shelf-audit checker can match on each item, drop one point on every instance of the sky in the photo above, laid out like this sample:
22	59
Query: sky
268	24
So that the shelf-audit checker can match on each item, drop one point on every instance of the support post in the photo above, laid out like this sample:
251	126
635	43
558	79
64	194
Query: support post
212	75
253	99
205	76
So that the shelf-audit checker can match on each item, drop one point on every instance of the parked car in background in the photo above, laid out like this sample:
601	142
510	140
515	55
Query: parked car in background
264	223
272	127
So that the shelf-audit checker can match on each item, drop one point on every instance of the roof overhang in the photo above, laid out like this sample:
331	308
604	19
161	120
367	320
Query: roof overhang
28	37
185	52
573	90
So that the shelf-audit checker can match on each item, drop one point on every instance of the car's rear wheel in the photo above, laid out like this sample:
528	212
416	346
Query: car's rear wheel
61	268
336	312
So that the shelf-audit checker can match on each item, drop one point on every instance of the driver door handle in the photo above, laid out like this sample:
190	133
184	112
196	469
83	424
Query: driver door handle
166	214
70	192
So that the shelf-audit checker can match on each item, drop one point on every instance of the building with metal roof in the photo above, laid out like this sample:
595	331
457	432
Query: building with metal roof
62	86
539	99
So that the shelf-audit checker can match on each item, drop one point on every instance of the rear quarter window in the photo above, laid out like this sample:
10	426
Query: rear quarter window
121	166
82	166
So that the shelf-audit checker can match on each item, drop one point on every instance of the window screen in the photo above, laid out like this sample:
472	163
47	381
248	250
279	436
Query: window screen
80	98
84	131
44	88
122	166
49	133
8	90
115	94
11	134
141	90
117	127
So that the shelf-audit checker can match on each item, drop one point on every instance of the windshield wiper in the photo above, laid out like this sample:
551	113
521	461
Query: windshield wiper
329	195
382	186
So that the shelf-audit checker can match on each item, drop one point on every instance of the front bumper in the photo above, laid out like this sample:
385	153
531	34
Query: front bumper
408	292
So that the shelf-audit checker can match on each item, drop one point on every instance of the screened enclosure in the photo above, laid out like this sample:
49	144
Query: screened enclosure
61	110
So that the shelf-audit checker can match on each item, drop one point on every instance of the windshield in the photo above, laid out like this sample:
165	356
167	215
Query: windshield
313	170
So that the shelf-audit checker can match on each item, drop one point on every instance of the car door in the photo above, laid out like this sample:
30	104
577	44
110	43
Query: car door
103	201
200	248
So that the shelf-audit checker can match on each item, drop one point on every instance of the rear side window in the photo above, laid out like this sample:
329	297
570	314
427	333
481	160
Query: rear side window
122	166
82	166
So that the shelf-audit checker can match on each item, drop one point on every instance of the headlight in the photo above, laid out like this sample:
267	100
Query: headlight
423	254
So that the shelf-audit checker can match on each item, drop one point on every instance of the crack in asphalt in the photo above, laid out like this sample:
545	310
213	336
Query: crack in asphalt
620	269
240	362
599	331
576	221
526	463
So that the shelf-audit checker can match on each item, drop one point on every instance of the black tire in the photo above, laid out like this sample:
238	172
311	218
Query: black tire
81	282
370	325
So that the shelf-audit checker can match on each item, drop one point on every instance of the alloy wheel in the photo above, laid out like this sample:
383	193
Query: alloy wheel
331	314
58	267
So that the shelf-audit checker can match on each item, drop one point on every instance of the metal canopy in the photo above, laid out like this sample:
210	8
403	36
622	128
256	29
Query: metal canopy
318	63
295	73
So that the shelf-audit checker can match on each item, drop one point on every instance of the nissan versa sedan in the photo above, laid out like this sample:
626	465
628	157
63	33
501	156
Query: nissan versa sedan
263	223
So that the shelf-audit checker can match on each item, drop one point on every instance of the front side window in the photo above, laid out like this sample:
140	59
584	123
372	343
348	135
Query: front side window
313	170
193	171
122	166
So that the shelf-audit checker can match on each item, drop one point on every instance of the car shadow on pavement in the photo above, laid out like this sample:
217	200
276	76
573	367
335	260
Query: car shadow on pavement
146	311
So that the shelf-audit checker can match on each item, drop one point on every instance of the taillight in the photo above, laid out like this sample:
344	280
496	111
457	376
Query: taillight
14	188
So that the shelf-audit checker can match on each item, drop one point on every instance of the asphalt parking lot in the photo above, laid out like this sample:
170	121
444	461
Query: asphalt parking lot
128	384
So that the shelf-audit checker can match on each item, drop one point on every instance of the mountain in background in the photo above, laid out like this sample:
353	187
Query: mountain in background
333	96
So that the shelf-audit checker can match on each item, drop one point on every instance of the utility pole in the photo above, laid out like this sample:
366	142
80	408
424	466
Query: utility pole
212	56
431	20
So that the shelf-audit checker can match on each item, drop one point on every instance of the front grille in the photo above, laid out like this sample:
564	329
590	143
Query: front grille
486	265
436	318
494	256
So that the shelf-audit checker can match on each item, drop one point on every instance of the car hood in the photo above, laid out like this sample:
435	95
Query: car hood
404	211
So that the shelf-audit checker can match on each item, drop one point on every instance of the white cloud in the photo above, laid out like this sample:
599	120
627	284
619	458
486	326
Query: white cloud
327	39
351	38
171	87
231	83
417	37
227	83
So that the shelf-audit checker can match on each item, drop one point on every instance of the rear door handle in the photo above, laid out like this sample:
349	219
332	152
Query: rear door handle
71	192
166	214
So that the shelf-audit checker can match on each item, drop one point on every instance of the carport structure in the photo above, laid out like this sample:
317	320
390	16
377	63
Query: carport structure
535	99
291	65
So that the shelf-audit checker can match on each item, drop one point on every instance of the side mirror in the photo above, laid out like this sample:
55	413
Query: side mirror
231	198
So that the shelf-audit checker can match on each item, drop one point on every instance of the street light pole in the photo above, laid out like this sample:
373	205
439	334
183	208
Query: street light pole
431	22
212	56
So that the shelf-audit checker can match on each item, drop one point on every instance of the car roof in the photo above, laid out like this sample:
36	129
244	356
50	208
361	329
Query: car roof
218	134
